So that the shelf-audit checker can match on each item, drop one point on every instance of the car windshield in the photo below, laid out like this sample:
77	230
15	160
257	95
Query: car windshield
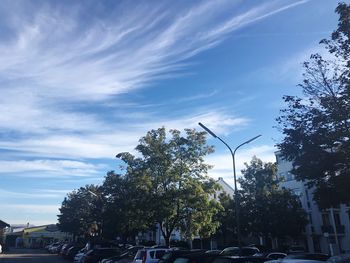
140	254
230	252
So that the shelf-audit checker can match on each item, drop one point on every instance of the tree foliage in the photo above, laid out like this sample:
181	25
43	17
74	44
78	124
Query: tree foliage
226	233
80	212
265	208
175	179
316	126
126	205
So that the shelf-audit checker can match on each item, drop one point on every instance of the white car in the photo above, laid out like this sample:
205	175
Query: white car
302	258
79	256
149	255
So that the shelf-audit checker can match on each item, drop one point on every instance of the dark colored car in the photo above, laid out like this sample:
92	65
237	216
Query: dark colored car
308	256
239	252
170	256
249	259
97	254
65	248
271	255
72	251
201	257
126	256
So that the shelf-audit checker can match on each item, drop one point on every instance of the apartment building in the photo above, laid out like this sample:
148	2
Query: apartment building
328	230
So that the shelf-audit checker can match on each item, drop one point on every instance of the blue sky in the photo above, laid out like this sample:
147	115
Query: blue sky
81	81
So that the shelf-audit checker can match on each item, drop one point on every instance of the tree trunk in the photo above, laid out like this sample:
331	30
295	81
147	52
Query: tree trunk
167	240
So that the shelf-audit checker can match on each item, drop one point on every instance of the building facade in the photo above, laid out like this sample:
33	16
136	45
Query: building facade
34	236
328	230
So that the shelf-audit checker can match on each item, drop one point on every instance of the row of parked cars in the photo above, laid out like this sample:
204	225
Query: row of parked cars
139	254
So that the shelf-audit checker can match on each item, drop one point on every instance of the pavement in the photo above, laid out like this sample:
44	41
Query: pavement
21	255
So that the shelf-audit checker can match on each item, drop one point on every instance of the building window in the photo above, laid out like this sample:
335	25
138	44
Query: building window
310	219
325	219
317	245
337	219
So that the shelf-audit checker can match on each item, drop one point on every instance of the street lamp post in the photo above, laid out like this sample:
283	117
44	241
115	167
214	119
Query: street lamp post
100	206
234	175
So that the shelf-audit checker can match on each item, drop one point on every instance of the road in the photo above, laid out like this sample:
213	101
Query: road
29	256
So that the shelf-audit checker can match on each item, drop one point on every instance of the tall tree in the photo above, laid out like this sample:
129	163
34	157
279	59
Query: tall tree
80	212
175	176
226	234
126	205
316	126
269	208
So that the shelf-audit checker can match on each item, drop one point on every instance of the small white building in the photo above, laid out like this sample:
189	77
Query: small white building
328	230
226	188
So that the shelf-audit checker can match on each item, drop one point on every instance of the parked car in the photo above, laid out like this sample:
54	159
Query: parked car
150	255
302	258
271	255
200	257
296	249
56	248
308	256
72	251
171	255
125	257
79	257
213	252
341	258
65	248
248	259
239	252
51	246
97	254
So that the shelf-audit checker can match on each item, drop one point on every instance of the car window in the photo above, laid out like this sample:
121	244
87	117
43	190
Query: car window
160	254
249	251
166	256
182	260
230	252
222	260
276	256
151	253
140	254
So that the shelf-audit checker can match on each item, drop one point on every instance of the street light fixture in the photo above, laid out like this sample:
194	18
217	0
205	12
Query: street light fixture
100	206
234	175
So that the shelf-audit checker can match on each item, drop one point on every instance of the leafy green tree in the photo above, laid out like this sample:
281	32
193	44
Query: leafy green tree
80	212
226	231
126	205
268	208
174	175
316	126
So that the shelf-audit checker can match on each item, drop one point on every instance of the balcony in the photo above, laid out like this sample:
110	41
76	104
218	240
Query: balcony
329	229
340	229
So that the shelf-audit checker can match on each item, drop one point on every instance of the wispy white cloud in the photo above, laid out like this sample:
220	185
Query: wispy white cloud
116	55
35	194
103	145
53	59
48	168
